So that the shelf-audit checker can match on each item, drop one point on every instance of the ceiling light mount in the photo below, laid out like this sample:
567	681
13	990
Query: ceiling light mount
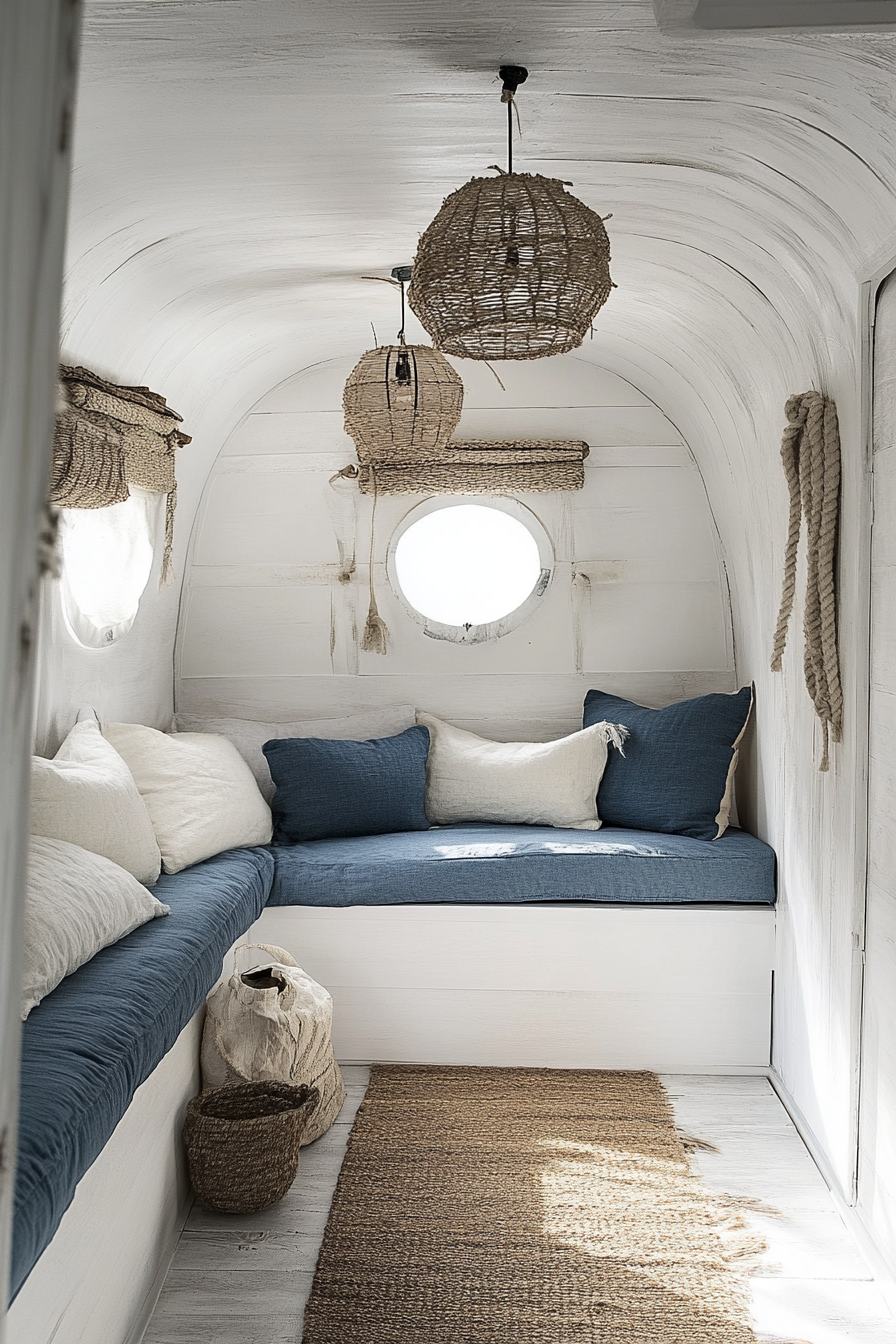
512	76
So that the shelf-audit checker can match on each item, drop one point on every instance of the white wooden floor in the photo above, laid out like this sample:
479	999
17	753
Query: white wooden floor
245	1280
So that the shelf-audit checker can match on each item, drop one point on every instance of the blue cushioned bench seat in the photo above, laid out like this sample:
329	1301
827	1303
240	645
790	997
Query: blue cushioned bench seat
91	1043
497	865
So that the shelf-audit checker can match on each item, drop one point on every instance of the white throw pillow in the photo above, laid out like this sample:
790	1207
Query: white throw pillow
249	737
198	790
76	903
469	778
87	796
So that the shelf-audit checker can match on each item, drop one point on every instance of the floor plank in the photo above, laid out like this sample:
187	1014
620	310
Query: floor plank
245	1279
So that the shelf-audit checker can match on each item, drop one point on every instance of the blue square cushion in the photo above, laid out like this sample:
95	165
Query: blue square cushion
674	774
326	789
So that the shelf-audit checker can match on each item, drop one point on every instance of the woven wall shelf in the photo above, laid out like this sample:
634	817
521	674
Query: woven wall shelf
109	438
478	467
512	267
394	415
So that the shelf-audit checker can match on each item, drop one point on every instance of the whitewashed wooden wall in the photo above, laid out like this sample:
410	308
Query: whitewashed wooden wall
638	603
877	1129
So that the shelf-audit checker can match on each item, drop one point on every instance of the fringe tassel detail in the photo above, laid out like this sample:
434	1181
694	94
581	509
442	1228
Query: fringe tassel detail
167	573
376	633
617	734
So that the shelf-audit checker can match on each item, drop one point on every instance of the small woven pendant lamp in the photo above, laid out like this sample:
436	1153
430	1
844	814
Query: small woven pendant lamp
401	402
512	267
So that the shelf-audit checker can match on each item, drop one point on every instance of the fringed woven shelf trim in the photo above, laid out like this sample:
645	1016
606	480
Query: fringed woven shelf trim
110	437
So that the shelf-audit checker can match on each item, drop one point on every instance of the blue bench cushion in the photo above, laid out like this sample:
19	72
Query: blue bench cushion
91	1043
496	865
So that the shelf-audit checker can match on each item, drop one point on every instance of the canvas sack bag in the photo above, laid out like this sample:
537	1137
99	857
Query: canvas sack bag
274	1025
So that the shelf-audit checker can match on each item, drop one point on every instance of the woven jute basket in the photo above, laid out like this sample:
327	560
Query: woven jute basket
410	420
512	267
243	1143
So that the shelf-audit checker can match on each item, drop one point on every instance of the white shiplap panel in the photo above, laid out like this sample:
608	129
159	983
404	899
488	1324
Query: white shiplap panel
568	381
541	1030
571	380
680	625
513	985
250	632
552	949
525	707
297	432
634	532
259	517
639	426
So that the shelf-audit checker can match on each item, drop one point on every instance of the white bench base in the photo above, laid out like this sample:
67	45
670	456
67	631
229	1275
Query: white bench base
98	1280
683	989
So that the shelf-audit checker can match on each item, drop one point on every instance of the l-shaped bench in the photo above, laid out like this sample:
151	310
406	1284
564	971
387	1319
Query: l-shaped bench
510	945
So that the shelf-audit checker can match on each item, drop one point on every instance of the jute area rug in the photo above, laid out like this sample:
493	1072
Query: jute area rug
525	1206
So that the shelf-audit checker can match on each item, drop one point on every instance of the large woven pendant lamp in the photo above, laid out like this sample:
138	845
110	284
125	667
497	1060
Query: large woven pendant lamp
512	267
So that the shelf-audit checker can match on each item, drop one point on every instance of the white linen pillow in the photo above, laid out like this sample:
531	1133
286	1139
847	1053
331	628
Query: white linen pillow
469	778
87	796
249	737
198	790
76	903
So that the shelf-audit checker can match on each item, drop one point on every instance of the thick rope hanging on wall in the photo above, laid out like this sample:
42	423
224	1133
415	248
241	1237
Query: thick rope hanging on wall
810	453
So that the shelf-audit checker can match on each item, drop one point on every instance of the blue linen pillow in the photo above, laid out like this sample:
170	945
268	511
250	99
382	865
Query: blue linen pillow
675	773
326	789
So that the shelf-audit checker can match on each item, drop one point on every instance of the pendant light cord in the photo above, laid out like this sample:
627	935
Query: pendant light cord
510	134
512	76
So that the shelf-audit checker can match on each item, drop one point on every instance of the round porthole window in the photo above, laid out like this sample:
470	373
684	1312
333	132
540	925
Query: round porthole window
107	557
470	572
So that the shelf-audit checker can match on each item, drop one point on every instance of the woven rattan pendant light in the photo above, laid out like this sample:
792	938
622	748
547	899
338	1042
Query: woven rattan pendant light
512	267
402	402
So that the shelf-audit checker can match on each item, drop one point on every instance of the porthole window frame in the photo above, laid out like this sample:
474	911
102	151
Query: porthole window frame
484	632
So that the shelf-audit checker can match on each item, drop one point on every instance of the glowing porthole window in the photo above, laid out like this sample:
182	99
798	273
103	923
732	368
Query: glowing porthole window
107	558
470	572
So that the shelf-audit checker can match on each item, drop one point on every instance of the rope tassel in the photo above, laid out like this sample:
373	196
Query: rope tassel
810	453
376	634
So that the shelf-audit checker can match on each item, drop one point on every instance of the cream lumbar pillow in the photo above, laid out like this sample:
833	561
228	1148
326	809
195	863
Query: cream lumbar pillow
87	796
198	790
249	736
469	778
76	903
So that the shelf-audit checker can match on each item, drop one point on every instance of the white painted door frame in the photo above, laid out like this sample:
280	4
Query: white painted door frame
38	63
879	269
